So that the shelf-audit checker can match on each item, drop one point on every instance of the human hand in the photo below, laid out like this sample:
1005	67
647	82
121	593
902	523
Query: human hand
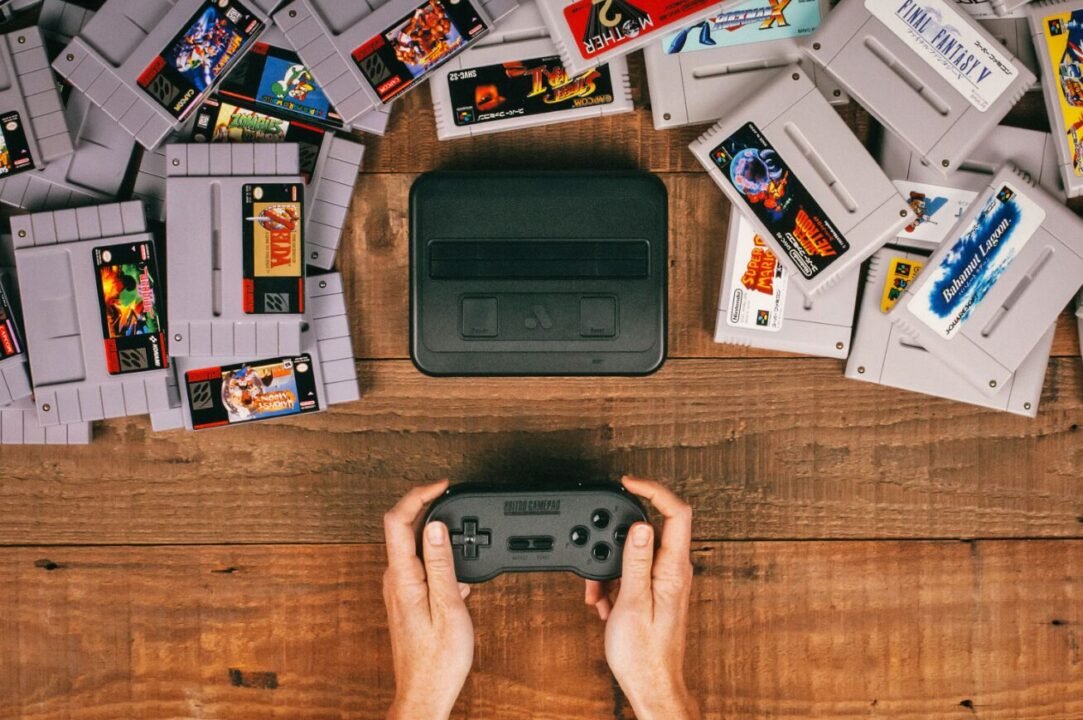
646	611
432	637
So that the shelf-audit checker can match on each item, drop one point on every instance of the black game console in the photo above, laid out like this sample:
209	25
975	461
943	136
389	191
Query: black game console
493	530
538	273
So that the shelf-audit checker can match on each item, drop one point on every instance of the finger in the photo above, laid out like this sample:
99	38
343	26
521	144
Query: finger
399	523
635	580
595	591
444	593
676	544
464	590
604	607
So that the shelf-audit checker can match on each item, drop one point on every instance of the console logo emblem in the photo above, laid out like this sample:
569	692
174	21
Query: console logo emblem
538	317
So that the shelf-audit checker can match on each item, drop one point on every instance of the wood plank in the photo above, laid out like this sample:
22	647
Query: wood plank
375	262
897	630
763	449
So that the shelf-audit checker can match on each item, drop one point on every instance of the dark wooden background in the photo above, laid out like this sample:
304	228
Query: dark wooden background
860	552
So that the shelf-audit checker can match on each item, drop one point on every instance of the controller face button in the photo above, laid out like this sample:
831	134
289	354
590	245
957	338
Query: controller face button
600	552
580	536
600	519
620	535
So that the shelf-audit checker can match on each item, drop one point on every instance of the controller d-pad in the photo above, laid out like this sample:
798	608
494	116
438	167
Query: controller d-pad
470	538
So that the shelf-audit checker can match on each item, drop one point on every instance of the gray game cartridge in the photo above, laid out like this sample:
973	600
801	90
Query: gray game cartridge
521	62
758	308
925	69
697	73
1005	8
997	282
91	175
329	192
9	7
367	53
94	353
812	191
236	282
1014	34
60	21
983	9
14	375
148	63
19	426
1056	31
939	201
32	125
325	338
883	354
592	32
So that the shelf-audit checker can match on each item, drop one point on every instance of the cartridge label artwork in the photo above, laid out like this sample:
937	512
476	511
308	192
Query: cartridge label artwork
602	25
943	37
752	21
778	199
1062	34
978	256
274	280
758	281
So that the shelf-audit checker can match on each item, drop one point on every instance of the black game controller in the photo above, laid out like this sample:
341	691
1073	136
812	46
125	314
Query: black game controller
495	530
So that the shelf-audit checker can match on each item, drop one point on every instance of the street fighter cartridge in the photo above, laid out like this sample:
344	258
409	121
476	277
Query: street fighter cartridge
14	377
237	279
813	193
364	55
272	80
19	425
925	69
939	201
697	73
1057	29
997	282
329	163
91	175
513	78
220	392
758	308
148	63
592	32
883	354
33	131
91	297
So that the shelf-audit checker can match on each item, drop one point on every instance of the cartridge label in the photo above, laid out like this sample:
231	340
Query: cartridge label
273	244
130	298
982	252
527	87
603	25
399	58
757	282
944	38
15	154
1063	35
10	345
752	21
775	196
251	391
900	276
936	209
204	49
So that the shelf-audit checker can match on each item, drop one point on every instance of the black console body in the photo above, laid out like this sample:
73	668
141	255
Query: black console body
495	530
538	273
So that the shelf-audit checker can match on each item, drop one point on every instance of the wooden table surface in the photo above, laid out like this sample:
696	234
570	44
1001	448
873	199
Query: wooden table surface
860	552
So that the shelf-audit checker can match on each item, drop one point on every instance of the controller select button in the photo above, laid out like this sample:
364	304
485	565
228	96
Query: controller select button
600	552
580	536
597	317
518	544
600	519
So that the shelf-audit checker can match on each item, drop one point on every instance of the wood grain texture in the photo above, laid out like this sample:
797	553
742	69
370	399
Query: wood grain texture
893	630
770	448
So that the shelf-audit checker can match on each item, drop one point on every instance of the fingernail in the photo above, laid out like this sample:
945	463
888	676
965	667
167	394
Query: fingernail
435	531
641	536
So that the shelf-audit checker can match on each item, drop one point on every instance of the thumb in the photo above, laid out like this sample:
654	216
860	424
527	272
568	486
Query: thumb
444	591
635	582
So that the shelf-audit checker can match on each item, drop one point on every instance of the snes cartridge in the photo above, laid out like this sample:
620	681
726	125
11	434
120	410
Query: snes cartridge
19	425
1057	29
236	278
758	308
697	73
924	69
513	78
997	282
592	32
91	300
813	193
1014	34
215	392
148	63
60	21
883	354
367	53
939	201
